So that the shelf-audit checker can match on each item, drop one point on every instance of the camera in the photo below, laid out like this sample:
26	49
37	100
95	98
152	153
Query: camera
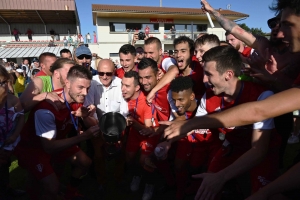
141	35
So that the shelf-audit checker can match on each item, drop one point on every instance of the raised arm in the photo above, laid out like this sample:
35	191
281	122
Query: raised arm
257	42
248	113
167	78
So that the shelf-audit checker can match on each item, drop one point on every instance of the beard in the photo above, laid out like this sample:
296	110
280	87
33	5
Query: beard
62	82
75	97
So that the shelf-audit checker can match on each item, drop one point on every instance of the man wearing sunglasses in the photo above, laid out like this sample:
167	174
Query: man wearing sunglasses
84	58
105	93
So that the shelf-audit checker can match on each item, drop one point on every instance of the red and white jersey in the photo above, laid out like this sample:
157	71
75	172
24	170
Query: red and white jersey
247	52
166	63
197	77
45	121
249	92
201	135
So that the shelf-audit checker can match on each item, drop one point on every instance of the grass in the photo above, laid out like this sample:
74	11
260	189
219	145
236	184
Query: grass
113	192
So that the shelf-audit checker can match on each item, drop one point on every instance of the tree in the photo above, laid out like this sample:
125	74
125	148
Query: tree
254	31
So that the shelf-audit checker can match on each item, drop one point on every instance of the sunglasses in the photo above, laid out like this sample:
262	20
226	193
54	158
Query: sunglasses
273	24
105	73
81	57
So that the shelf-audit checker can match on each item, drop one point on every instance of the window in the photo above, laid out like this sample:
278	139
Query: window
186	27
117	27
113	54
125	27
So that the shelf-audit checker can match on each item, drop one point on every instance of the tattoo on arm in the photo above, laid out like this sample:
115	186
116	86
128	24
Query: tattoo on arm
225	23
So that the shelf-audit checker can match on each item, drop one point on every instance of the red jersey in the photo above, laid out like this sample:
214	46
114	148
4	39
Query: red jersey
140	111
63	123
161	104
120	72
239	136
197	77
41	73
199	135
246	52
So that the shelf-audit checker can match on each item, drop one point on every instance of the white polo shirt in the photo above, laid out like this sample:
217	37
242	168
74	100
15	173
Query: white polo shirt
106	99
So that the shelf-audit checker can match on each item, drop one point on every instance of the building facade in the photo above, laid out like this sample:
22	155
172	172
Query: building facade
116	25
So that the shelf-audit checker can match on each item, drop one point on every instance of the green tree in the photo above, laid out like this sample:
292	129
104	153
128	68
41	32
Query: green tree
254	31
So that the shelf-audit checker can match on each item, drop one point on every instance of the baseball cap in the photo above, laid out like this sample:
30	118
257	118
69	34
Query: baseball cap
35	60
139	50
83	50
20	70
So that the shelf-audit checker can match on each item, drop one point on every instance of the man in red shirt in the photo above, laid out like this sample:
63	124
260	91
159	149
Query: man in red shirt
46	60
148	77
238	45
184	51
141	117
127	55
44	139
198	148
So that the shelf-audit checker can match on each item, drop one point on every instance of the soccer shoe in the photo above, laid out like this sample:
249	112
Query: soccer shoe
148	192
135	183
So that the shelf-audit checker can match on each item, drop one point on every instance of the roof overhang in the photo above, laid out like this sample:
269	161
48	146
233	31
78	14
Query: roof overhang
42	11
141	12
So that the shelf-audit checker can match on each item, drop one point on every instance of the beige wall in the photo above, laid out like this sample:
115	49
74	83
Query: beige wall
110	42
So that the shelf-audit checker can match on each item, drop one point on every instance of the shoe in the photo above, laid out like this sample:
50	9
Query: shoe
293	139
135	183
148	192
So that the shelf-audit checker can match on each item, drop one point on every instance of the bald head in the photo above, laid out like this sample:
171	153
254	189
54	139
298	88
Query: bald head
106	71
106	64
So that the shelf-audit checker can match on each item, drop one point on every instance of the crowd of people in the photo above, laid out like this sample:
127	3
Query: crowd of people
200	117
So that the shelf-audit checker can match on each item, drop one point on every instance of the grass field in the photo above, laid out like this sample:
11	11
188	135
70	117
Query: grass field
89	186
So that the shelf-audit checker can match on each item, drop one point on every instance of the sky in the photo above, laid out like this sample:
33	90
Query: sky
258	10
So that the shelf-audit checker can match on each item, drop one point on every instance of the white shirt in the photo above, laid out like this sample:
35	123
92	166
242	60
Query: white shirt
106	99
167	63
265	124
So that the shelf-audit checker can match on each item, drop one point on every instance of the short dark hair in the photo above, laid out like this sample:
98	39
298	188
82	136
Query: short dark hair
59	63
152	40
44	55
227	33
185	39
127	49
34	72
65	51
211	39
279	5
181	83
226	57
134	75
148	62
79	72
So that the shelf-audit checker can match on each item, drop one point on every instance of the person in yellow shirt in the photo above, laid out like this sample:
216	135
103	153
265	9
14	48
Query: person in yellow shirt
20	82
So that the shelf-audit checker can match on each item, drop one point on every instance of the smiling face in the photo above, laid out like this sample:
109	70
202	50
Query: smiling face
213	79
183	100
78	89
129	89
107	67
290	27
148	79
182	55
127	61
200	50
